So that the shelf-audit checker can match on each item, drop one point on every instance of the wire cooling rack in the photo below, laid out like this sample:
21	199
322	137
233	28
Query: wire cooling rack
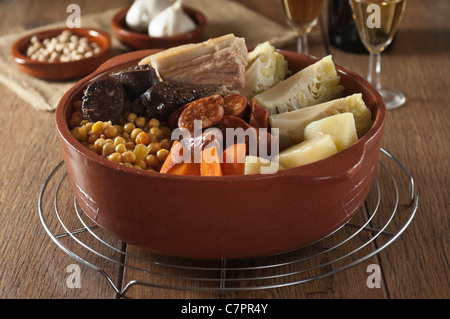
386	213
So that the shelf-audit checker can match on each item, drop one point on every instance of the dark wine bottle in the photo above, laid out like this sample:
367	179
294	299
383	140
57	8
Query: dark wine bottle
342	30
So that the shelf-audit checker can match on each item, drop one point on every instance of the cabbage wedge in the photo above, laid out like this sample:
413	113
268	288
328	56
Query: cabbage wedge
317	83
291	125
265	68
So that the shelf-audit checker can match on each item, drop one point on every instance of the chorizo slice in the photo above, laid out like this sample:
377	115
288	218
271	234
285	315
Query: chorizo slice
259	116
265	143
250	135
235	105
233	122
254	138
208	110
172	120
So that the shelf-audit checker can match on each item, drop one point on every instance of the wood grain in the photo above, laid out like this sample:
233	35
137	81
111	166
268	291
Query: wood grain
413	266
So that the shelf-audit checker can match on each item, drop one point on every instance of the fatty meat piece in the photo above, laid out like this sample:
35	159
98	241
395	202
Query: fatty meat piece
220	61
225	67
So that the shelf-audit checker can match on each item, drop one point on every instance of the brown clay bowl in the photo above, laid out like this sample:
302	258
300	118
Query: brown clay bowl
230	217
141	41
62	70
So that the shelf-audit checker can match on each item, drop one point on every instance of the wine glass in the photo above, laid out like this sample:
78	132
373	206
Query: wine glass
302	16
377	22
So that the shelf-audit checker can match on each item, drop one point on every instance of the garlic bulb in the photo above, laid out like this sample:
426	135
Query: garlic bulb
142	12
171	21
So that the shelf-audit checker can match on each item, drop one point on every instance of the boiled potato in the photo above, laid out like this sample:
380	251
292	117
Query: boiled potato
341	128
308	151
258	165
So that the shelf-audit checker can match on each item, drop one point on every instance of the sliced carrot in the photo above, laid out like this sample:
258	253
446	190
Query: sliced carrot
173	159
234	159
210	165
174	165
192	169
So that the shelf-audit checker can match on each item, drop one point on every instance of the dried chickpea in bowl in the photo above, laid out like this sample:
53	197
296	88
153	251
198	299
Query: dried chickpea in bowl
138	142
64	47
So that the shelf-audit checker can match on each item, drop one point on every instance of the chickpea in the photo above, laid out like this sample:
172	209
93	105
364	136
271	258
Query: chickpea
115	157
162	154
119	140
140	122
76	119
88	126
141	163
98	127
129	127
77	105
166	144
126	136
141	151
121	148
119	129
108	149
73	38
153	123
64	47
79	134
154	147
153	137
156	131
130	145
131	117
91	147
135	133
98	145
167	132
128	157
92	138
151	160
142	138
64	58
110	131
137	143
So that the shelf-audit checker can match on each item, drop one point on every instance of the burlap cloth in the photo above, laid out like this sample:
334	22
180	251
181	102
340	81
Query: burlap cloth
222	17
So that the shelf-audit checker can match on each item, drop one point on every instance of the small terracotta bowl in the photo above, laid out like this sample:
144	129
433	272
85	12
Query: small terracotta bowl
62	70
230	217
140	41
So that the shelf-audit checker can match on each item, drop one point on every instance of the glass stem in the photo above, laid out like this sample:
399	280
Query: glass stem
302	43
375	70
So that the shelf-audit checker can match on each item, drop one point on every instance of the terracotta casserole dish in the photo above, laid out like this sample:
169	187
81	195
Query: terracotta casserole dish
230	217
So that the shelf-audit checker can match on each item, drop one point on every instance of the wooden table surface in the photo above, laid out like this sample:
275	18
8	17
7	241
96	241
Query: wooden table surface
414	265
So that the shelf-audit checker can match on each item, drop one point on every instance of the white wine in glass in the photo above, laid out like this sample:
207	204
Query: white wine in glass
302	16
377	22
